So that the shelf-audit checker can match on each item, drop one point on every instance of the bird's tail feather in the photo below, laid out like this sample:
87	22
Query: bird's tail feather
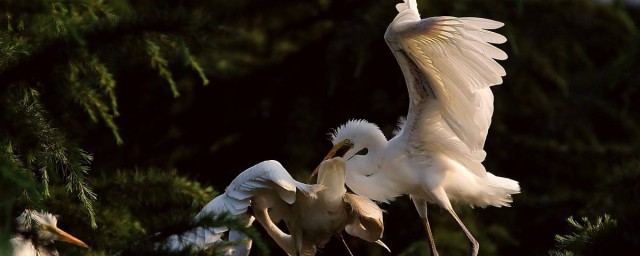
499	190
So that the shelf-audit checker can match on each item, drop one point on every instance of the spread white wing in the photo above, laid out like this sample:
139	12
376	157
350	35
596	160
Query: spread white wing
266	182
449	63
265	179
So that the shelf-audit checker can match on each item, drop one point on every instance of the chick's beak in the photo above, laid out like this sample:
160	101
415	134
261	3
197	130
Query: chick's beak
65	237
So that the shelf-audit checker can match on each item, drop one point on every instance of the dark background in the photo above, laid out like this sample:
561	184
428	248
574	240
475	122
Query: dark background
283	74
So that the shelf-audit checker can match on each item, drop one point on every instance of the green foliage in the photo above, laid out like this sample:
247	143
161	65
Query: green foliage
286	73
49	152
8	194
617	194
139	209
60	48
161	64
585	233
93	99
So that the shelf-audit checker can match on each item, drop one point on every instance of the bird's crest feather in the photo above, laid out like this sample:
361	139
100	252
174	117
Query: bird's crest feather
353	129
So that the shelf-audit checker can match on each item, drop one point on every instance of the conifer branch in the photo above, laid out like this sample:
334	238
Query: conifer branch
76	181
8	155
161	64
15	172
49	38
105	79
191	60
585	232
90	99
12	49
45	52
51	151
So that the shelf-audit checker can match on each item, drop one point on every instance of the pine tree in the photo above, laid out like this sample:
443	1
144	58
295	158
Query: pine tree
56	57
586	235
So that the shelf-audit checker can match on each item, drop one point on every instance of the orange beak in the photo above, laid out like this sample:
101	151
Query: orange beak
65	237
342	145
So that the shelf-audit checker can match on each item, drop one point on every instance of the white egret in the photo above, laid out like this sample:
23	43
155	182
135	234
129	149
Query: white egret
37	238
448	64
313	213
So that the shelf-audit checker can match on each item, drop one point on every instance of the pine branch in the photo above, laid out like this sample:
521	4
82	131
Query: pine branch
189	58
585	232
105	79
89	98
139	209
18	187
55	30
50	152
46	53
8	156
161	64
77	182
12	49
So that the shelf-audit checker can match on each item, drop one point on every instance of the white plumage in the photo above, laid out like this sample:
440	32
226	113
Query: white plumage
36	233
436	156
313	213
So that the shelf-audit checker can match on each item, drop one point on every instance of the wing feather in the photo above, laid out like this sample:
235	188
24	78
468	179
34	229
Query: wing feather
458	59
482	23
201	237
259	180
267	182
366	219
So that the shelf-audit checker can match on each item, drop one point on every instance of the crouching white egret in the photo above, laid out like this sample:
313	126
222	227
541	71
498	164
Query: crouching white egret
448	64
36	232
312	213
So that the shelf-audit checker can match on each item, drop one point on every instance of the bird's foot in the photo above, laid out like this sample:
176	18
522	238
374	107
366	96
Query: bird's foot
475	248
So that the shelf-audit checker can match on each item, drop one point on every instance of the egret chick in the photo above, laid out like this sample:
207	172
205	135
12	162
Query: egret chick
312	213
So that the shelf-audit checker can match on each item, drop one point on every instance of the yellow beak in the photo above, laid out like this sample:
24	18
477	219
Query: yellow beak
64	236
332	152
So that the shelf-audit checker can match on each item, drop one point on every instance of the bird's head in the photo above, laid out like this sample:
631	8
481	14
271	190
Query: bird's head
353	138
331	173
45	227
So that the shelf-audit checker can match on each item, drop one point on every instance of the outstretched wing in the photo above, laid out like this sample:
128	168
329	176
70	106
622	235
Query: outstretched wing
265	179
198	238
266	182
449	63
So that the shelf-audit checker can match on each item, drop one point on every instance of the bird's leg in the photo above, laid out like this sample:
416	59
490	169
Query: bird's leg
432	242
421	206
339	235
475	247
297	238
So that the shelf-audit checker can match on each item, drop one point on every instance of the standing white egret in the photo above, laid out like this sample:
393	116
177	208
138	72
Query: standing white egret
30	242
448	64
312	213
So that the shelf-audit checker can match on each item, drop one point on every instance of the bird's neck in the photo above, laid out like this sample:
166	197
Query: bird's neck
284	240
334	183
376	144
366	177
